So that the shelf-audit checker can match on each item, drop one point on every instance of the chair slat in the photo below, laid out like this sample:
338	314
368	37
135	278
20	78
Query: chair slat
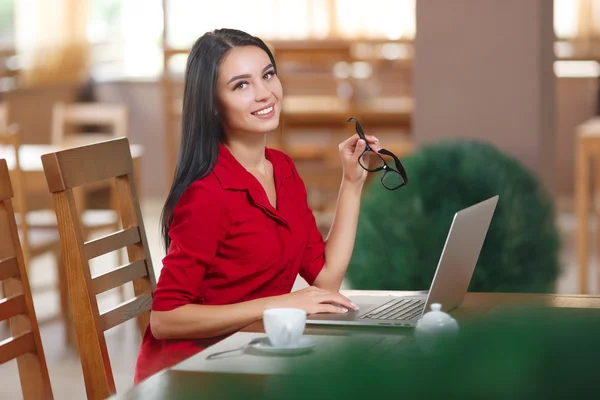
16	346
119	276
126	311
9	268
80	114
112	242
12	307
6	191
71	168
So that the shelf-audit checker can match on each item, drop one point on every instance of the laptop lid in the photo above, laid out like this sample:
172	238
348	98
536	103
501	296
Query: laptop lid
459	256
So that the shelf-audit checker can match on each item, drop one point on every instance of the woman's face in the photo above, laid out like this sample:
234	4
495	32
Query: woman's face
248	92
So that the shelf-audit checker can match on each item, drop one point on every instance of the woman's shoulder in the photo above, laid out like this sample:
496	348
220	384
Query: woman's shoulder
200	202
205	189
200	206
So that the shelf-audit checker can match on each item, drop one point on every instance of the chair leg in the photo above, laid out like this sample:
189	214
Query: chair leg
582	191
4	329
121	261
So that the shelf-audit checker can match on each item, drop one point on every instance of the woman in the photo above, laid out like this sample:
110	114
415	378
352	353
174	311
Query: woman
236	224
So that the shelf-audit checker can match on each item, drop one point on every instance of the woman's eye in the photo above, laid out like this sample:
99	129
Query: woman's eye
269	75
240	85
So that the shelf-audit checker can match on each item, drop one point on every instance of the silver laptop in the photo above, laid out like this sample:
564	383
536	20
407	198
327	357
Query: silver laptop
450	282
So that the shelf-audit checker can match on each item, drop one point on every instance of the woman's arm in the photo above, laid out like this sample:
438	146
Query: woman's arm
340	241
193	321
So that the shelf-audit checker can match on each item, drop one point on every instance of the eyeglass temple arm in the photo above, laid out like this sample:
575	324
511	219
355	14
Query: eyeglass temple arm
359	130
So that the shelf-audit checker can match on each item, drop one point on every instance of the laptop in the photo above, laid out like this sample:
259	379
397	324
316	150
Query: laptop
450	282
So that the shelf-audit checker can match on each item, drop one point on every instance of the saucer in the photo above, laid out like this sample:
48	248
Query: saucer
264	345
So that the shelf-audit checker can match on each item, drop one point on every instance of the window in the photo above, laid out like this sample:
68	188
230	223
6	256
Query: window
8	61
7	24
577	27
565	18
125	36
292	19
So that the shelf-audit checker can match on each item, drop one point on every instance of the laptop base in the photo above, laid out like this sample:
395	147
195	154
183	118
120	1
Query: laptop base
367	304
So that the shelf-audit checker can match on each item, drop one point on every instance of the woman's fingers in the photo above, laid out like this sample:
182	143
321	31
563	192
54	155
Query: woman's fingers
330	301
341	300
354	141
359	148
350	143
330	308
373	142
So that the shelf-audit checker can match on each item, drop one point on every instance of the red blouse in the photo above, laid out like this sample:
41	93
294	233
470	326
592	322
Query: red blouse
229	245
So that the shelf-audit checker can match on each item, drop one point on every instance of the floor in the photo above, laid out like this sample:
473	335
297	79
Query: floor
123	341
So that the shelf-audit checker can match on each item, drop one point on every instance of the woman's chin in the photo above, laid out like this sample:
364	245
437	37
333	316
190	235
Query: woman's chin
266	126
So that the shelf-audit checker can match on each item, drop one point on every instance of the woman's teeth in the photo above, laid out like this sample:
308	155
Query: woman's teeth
265	111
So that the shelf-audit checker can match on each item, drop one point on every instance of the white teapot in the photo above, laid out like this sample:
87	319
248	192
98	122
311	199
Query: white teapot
434	328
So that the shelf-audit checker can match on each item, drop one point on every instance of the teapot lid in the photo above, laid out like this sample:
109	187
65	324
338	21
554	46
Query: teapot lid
436	315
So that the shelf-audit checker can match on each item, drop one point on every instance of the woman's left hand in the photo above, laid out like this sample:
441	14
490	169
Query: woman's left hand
350	151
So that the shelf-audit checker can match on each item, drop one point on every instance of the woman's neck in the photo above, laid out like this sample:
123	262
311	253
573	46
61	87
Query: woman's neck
249	153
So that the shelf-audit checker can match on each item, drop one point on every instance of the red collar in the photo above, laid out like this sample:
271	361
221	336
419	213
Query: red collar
232	175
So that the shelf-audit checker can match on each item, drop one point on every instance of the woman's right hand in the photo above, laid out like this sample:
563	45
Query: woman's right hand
314	300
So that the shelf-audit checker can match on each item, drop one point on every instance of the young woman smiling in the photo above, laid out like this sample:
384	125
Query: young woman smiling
236	223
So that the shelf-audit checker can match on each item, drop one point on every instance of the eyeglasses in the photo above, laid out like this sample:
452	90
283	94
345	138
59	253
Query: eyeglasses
372	161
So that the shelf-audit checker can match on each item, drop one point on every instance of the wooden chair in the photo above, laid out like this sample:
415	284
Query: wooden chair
25	343
587	188
313	96
34	241
172	92
72	168
66	118
3	126
8	72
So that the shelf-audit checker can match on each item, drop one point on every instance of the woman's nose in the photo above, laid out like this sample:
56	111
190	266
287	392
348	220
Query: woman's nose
262	92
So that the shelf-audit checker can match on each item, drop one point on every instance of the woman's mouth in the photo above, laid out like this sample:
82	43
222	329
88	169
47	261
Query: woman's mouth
265	113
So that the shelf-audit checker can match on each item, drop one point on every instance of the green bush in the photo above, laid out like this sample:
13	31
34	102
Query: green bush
533	354
509	353
401	233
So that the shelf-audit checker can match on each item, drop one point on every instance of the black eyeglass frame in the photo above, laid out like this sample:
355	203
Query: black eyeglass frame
384	166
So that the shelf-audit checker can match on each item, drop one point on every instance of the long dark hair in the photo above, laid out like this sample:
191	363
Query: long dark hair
201	130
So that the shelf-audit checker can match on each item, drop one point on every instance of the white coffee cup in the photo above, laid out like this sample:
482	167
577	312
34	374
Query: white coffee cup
284	326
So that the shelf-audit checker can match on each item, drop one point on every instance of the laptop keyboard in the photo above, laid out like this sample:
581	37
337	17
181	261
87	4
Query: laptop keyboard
398	309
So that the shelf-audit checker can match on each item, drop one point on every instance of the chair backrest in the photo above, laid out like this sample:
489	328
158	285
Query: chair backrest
72	168
9	137
25	343
79	114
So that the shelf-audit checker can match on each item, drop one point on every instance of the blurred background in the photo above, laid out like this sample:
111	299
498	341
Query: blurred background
516	82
